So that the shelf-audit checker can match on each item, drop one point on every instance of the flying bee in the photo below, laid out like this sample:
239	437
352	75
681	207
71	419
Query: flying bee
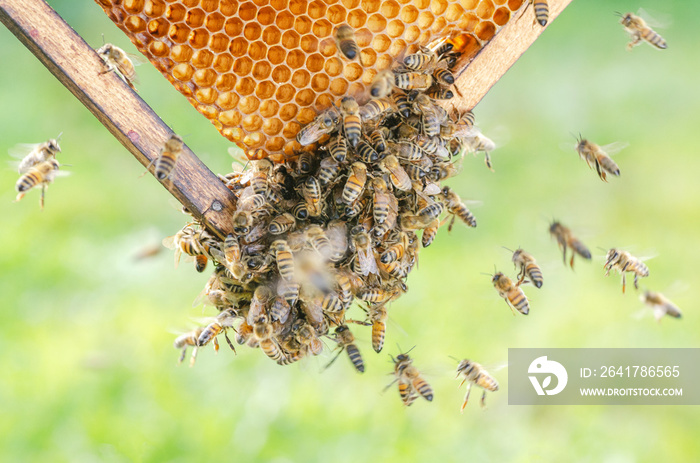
311	191
116	59
623	261
566	239
403	106
638	30
378	316
223	322
422	60
413	81
660	304
30	155
456	207
285	259
511	293
411	382
375	108
42	174
365	252
528	267
382	84
261	170
541	10
345	42
475	374
599	157
328	171
346	342
477	142
397	174
323	124
355	183
281	224
352	124
338	149
186	340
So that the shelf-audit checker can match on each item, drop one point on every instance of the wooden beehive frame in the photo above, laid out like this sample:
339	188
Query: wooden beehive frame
75	64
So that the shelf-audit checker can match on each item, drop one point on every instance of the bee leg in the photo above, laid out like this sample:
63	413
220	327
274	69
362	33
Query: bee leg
216	345
19	197
487	160
182	356
510	307
194	356
623	283
483	399
571	263
636	280
230	344
452	222
466	397
340	351
41	199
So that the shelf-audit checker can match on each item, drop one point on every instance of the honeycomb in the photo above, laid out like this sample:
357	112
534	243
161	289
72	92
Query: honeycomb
259	70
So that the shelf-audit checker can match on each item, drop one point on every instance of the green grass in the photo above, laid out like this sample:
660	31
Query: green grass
88	371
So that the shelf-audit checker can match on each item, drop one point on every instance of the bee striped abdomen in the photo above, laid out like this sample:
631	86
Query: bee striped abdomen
423	388
535	274
519	300
355	357
541	11
653	38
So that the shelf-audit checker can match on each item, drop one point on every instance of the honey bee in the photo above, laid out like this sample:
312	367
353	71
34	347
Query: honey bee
271	349
477	375
42	174
661	305
319	241
375	108
398	176
167	157
407	150
541	9
328	171
244	333
366	153
300	211
258	305
422	60
411	382
312	309
346	342
429	233
477	142
186	340
33	154
258	181
511	293
439	93
331	303
444	77
345	41
242	222
281	224
413	81
599	157
305	163
378	316
456	207
323	124
566	239
403	106
285	259
222	322
355	183
312	195
337	234
306	336
382	84
638	30
377	294
338	149
289	291
117	59
444	170
352	124
365	252
381	200
232	249
528	267
623	261
378	139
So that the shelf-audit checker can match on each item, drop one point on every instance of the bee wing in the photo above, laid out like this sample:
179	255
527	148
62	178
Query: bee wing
368	264
654	18
614	148
169	242
136	60
20	150
432	189
311	133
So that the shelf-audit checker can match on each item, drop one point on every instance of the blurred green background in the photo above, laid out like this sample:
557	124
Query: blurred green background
88	368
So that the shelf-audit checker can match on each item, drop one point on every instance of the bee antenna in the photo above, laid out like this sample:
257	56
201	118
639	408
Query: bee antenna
59	136
604	250
409	350
507	249
487	274
103	39
453	358
617	13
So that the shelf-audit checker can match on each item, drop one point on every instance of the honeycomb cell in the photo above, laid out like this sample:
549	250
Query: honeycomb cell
272	126
384	62
233	27
350	4
204	77
285	20
159	27
226	82
239	46
339	87
275	144
214	22
133	6
501	16
395	28
376	23
227	100
368	76
309	43
453	12
183	71
245	86
469	22
439	25
306	115
301	78
322	28
437	7
279	5
422	4
302	25
153	8
515	5
288	112
261	2
202	58
266	16
231	118
469	4
174	12
357	19
291	129
297	7
269	108
327	47
190	3
323	101
363	37
254	140
412	33
485	30
210	5
425	19
333	67
285	93
295	59
368	57
222	63
158	48
314	63
218	43
135	24
381	43
247	11
336	14
228	7
397	47
195	18
356	88
271	35
198	38
316	9
261	70
290	40
237	134
485	9
242	66
205	95
409	14
248	105
276	55
265	90
320	82
252	31
257	51
390	9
